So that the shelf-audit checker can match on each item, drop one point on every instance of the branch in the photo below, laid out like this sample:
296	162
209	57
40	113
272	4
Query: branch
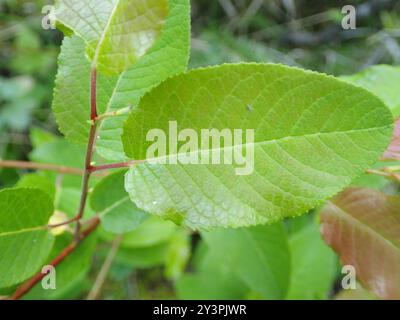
111	114
52	226
94	293
119	165
89	149
27	286
40	166
93	100
385	173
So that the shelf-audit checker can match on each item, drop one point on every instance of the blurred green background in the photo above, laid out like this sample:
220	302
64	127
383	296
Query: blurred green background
302	33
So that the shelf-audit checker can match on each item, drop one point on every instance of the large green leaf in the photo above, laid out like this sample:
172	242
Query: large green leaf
313	266
117	32
259	256
110	200
169	56
382	80
25	241
313	135
363	227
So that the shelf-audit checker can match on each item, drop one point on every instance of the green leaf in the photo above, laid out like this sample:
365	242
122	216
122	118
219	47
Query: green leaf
382	80
210	286
119	33
314	135
178	255
25	241
59	152
169	56
71	104
39	136
213	279
363	227
36	180
68	201
109	199
259	256
146	257
313	266
63	153
151	232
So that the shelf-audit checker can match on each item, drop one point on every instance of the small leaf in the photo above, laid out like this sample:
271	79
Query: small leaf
59	152
146	257
25	241
39	136
382	80
151	232
363	227
313	135
178	255
313	266
38	181
111	202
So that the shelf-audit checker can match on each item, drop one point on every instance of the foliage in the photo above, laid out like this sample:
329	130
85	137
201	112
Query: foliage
206	231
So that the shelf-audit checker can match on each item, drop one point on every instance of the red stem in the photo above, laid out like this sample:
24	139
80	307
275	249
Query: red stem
28	285
79	236
39	166
116	165
52	226
93	101
89	149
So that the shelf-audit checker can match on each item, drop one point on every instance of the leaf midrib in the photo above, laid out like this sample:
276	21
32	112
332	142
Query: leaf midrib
11	233
103	34
266	142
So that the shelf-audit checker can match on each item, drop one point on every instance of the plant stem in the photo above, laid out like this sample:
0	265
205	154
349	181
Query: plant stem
40	166
93	99
101	278
93	223
116	165
389	175
111	114
27	286
89	149
52	226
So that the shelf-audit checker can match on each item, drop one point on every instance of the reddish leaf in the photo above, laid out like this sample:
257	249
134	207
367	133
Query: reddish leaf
393	151
363	227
